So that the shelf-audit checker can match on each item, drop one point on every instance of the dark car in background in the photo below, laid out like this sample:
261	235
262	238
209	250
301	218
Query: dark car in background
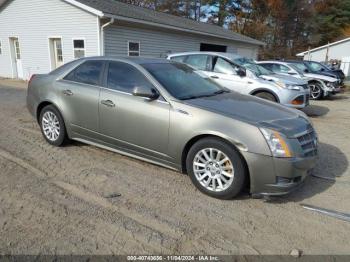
320	69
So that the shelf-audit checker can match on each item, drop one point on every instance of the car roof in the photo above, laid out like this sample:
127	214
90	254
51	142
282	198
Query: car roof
272	61
221	54
136	60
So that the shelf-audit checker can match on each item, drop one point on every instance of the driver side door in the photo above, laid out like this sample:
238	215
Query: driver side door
132	123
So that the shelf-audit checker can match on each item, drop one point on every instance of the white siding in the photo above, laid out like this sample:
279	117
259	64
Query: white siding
155	43
340	51
335	52
33	22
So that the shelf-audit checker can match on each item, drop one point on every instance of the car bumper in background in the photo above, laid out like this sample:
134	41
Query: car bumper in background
277	176
296	100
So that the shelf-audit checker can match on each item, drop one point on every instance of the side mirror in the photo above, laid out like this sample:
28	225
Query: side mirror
322	69
306	71
241	72
145	92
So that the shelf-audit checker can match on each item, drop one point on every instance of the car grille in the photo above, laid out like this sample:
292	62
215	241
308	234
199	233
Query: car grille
309	143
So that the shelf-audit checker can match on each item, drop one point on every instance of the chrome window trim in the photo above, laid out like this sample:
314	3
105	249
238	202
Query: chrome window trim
129	94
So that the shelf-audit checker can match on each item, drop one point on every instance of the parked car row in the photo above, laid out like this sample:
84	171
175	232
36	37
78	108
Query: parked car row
174	115
287	82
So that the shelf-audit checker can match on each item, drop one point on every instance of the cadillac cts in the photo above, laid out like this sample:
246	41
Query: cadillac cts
169	114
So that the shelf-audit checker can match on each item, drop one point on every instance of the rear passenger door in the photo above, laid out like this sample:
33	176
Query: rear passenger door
79	92
133	123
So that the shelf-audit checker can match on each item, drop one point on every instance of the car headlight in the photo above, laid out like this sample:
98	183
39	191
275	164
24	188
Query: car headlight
329	84
277	143
287	86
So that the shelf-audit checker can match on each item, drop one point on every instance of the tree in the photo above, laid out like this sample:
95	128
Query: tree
331	19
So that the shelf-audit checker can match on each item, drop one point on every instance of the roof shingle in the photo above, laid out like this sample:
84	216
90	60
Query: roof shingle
116	8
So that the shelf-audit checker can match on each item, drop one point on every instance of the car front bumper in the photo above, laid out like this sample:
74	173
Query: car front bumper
277	176
296	99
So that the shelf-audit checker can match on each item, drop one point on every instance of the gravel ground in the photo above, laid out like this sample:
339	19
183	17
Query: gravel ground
66	200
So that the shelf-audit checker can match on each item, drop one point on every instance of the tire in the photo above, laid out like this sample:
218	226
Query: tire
52	126
316	92
266	96
231	173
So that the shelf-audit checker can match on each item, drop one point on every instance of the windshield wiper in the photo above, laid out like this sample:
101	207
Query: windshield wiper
208	95
221	92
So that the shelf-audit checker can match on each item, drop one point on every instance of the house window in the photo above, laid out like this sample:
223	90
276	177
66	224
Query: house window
79	48
133	48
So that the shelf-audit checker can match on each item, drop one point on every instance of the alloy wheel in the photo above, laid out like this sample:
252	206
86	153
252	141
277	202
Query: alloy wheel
213	169
315	91
51	126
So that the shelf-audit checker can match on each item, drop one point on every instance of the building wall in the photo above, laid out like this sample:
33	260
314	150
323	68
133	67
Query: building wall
339	52
157	43
335	52
33	22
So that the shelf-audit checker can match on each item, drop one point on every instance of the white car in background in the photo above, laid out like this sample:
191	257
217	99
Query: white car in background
223	69
320	85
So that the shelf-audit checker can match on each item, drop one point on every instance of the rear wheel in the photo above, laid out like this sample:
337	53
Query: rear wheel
266	96
52	126
216	168
316	91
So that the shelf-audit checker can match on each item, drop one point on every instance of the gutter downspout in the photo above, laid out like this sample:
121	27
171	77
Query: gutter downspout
102	38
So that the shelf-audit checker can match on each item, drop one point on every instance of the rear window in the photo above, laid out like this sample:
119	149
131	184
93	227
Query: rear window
63	68
87	73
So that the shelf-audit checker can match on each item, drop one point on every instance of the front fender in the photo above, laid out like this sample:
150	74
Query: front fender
262	89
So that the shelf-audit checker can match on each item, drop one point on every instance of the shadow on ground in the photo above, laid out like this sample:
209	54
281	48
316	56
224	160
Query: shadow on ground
316	111
332	163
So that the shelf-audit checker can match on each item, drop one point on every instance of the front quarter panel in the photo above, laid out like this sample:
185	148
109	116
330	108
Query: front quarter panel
188	122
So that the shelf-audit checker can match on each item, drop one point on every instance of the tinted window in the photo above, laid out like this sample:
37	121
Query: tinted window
125	77
87	73
199	62
224	67
182	81
267	66
180	59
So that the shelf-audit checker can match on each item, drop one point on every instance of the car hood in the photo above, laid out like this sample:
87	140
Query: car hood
254	111
289	80
322	77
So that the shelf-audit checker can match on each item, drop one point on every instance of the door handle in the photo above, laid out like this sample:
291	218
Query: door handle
215	77
249	82
67	92
108	103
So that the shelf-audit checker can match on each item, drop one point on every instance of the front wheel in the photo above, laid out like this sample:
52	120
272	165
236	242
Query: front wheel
216	168
316	91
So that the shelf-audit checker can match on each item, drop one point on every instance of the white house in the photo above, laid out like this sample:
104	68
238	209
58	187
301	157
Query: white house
37	36
339	50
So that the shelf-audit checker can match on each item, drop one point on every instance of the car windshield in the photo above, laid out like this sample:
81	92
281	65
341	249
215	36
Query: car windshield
250	64
300	69
300	66
316	67
258	70
183	82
